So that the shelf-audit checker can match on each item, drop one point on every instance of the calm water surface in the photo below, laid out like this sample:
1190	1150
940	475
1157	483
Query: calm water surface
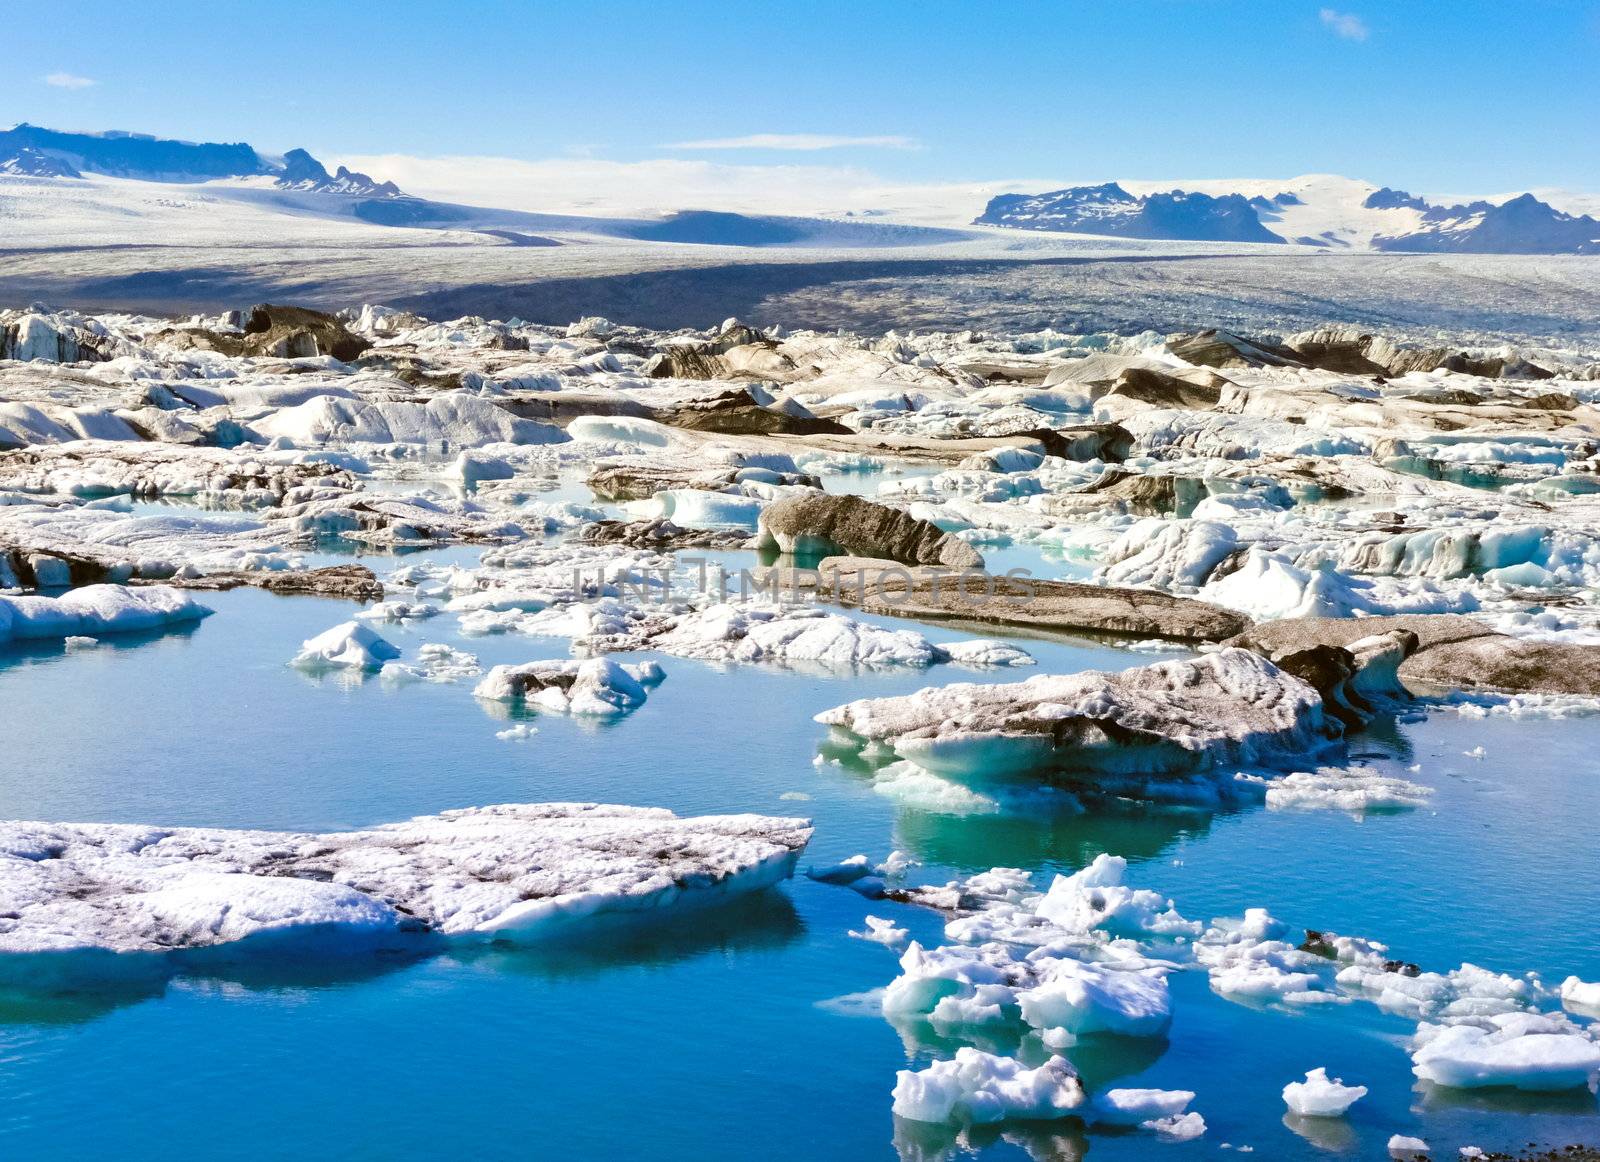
745	1036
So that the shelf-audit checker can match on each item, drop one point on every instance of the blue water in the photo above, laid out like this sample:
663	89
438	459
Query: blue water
743	1036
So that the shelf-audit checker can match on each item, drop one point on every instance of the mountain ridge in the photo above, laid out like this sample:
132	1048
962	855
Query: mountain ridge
1384	219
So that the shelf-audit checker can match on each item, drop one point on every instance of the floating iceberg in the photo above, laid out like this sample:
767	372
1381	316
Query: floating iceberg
349	646
1525	1051
1231	706
1319	1096
983	1089
595	686
94	610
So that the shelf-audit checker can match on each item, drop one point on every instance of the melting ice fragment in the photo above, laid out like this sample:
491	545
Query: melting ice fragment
593	686
1319	1096
982	1089
348	645
96	609
1528	1051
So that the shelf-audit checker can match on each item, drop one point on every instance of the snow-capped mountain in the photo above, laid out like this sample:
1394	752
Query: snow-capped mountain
31	151
1522	225
30	163
1109	209
1317	210
301	171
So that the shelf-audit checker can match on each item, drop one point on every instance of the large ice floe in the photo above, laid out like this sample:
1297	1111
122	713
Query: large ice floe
94	610
1232	706
101	897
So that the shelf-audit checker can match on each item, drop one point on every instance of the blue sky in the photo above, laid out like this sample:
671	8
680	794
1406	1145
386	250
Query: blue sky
1435	97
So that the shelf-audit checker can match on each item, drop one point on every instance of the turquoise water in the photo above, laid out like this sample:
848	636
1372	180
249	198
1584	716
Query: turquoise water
746	1035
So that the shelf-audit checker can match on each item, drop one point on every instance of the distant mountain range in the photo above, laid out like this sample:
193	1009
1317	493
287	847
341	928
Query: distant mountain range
1350	214
1111	210
31	151
1324	211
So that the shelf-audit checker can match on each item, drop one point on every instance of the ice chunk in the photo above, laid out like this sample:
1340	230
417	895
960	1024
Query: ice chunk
457	419
1404	1149
1168	553
1355	790
846	871
881	931
596	686
982	1089
1318	1096
1089	998
983	652
1096	899
1581	996
1179	1128
473	467
1522	1050
348	645
96	609
1131	1107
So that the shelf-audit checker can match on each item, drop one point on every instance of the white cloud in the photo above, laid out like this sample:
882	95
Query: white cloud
68	81
1347	25
805	142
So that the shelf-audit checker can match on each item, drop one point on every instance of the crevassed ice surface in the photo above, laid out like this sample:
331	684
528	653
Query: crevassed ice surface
739	1027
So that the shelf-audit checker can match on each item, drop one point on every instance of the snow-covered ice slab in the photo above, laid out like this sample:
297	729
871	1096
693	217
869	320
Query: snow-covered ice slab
1528	1051
95	610
518	872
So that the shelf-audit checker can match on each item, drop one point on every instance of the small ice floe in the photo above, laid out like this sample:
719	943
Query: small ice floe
1135	1107
435	662
846	871
1581	997
1320	1096
881	931
75	642
1178	1128
1486	704
855	873
1355	790
986	652
794	797
1476	752
1406	1149
470	468
398	611
895	865
521	732
811	637
348	645
593	686
94	610
983	1089
1529	1051
516	871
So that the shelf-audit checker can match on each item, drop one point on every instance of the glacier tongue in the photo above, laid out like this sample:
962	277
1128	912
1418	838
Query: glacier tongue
514	871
